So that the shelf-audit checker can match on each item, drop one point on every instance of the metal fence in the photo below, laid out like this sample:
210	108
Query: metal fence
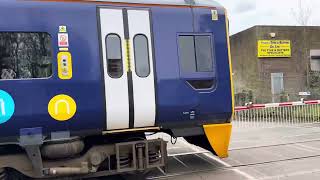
276	87
277	114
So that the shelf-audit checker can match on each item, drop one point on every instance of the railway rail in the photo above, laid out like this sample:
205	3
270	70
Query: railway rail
293	155
228	167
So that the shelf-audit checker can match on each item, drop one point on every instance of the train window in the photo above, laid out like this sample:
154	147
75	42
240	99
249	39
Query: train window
141	54
195	52
25	55
187	54
203	53
114	56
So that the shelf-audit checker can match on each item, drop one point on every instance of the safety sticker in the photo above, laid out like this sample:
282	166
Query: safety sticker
63	39
7	106
215	16
62	29
62	107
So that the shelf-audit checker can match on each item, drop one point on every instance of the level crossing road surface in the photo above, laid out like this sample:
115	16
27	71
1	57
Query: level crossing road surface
277	153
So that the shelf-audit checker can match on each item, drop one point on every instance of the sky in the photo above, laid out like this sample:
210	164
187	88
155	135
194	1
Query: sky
244	14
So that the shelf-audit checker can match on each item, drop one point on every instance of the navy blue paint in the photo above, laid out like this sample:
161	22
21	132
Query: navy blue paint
174	96
220	101
32	96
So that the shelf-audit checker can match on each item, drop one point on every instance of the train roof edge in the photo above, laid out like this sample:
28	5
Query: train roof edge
209	3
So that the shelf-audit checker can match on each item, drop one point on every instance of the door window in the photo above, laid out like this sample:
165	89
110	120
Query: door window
141	54
114	56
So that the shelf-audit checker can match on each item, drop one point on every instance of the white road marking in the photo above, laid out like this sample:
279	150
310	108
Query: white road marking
290	174
306	147
248	176
180	162
188	153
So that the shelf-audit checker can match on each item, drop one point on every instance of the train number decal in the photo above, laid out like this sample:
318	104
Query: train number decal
62	107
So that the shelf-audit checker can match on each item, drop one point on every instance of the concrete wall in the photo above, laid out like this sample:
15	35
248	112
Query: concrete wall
252	75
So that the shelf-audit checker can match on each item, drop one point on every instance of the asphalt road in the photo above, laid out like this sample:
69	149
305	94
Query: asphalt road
255	153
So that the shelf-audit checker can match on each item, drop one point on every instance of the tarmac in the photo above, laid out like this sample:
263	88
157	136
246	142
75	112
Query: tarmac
278	153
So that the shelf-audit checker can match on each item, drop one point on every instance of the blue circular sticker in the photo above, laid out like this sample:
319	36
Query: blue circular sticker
6	106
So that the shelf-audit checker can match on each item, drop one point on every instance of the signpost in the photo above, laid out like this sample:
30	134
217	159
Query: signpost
274	48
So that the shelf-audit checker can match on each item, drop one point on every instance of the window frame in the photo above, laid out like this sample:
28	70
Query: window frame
135	58
198	75
107	59
53	62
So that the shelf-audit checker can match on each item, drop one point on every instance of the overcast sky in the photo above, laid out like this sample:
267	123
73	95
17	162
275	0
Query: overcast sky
244	14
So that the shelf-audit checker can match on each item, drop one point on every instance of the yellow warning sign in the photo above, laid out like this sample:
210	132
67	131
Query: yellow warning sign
274	48
62	107
63	29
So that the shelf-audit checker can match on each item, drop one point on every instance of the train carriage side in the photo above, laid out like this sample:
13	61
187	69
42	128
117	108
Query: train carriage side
105	73
193	74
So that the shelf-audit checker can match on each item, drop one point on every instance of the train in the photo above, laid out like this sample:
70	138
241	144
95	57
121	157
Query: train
84	82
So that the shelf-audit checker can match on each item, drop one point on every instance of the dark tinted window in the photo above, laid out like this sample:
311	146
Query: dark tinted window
195	53
141	54
203	53
114	56
187	54
25	55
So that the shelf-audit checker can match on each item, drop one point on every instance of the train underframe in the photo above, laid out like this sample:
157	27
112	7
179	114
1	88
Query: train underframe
96	156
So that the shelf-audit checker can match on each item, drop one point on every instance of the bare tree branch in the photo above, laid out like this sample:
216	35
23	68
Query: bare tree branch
302	15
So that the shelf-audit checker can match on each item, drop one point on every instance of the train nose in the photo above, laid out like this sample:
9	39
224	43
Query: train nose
216	139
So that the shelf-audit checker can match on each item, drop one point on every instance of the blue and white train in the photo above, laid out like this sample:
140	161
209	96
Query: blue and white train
82	81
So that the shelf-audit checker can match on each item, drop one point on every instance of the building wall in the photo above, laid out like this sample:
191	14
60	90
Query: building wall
252	75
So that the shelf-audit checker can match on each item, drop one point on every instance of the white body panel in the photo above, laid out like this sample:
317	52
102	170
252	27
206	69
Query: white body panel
143	87
116	90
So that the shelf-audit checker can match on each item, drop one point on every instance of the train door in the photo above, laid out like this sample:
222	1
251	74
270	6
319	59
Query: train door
128	68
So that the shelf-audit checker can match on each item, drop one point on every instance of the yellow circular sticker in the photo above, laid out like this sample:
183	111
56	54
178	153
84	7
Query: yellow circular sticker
62	107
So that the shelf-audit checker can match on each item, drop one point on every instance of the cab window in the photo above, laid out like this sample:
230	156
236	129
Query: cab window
195	53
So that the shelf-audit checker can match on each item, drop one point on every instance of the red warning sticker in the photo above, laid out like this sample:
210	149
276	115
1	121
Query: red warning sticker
63	40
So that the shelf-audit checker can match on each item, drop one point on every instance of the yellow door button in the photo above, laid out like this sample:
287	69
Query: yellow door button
64	65
62	107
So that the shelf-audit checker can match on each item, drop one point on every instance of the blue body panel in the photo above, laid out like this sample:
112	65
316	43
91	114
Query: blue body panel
32	96
174	95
